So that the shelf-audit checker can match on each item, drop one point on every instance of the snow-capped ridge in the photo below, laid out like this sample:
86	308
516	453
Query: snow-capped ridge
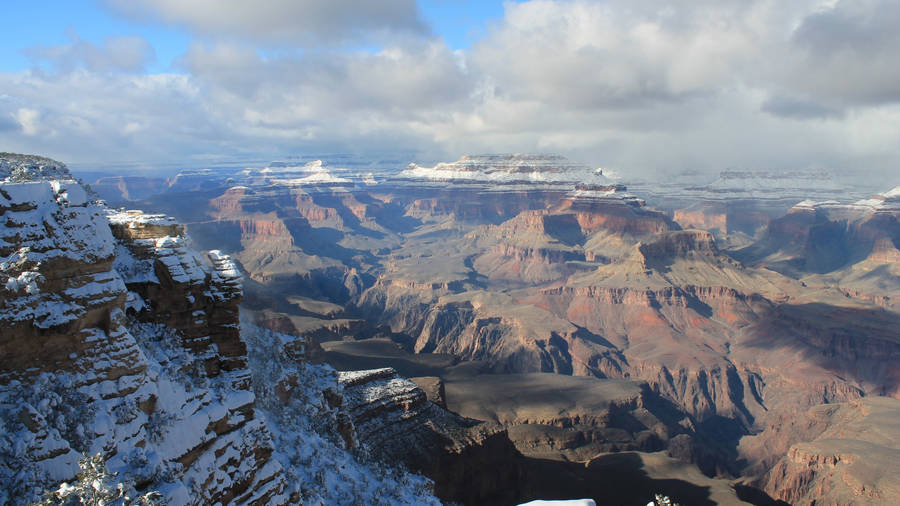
508	168
19	168
887	202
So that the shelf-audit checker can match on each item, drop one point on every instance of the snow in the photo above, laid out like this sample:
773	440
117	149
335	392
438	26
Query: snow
183	263
132	269
134	218
888	202
17	168
98	404
508	169
318	178
312	173
48	222
303	431
751	180
27	280
604	193
32	193
771	185
313	166
70	192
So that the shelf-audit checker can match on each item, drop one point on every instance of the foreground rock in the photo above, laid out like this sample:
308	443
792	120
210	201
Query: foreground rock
78	376
470	462
121	340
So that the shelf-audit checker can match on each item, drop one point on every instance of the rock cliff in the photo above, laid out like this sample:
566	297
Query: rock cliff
849	454
511	265
470	462
81	376
121	340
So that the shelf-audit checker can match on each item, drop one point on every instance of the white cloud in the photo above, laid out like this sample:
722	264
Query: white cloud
283	22
636	86
127	54
846	54
29	120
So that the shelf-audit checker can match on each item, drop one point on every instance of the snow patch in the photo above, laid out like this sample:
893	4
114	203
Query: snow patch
508	169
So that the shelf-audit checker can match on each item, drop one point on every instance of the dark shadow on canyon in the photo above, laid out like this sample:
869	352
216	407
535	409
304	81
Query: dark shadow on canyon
617	478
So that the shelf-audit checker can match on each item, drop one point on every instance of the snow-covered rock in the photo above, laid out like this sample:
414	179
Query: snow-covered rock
887	203
314	173
16	167
515	168
773	181
470	461
119	339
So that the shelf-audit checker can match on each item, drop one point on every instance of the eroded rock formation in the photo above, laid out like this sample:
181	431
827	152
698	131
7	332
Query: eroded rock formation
559	276
79	376
121	340
471	462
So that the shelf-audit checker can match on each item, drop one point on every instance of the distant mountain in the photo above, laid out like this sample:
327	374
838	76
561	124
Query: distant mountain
513	168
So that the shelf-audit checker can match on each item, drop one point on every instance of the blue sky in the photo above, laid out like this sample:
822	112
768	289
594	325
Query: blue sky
59	19
458	22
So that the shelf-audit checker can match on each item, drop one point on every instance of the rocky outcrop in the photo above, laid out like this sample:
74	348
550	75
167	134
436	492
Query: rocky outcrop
470	462
122	340
80	376
885	251
851	459
177	287
57	274
679	244
508	168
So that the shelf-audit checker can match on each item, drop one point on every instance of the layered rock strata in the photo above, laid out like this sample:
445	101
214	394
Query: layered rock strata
80	376
849	454
470	462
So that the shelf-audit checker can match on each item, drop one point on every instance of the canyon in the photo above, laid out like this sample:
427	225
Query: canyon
510	326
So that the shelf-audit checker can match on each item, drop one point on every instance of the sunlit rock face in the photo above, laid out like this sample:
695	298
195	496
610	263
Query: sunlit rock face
847	454
174	285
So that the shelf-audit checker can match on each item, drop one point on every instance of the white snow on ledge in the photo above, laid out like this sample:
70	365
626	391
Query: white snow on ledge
134	218
888	202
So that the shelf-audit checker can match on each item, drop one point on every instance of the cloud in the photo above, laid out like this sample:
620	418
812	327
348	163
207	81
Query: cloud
29	120
611	54
798	108
412	83
846	53
231	101
284	22
635	86
126	54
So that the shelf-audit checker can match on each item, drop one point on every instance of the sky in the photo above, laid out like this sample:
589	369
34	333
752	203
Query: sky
644	87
